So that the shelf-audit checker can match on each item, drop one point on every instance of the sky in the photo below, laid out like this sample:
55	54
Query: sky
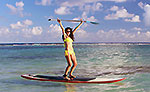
119	20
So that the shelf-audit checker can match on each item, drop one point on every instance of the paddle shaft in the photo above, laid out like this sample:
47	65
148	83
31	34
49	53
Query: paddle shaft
73	21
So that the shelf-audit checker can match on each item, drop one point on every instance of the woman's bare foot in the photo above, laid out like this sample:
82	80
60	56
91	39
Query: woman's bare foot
72	77
66	77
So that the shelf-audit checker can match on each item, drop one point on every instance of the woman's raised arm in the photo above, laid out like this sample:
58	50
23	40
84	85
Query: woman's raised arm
77	26
63	30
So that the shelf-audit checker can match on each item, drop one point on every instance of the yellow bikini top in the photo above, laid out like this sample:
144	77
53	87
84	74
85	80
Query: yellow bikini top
68	39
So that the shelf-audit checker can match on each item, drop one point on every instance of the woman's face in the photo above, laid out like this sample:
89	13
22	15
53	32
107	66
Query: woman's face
68	32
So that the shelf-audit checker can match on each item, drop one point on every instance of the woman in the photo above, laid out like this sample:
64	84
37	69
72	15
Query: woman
68	38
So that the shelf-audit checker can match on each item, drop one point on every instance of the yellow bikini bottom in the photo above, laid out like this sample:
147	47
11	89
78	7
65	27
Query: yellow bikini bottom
69	52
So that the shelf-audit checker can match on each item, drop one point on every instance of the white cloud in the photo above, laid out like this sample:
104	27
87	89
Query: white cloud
137	29
30	32
138	32
37	30
54	35
43	2
4	31
5	34
148	34
117	1
121	35
22	28
13	9
141	5
114	8
55	31
62	11
83	5
147	15
97	6
19	4
81	34
18	9
91	7
20	25
122	13
134	19
79	3
27	22
86	18
92	18
25	32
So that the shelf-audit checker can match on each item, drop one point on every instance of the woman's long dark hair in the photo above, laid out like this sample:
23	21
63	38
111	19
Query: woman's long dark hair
71	34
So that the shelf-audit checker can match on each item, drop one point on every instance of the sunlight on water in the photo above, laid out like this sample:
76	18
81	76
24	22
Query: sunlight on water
102	61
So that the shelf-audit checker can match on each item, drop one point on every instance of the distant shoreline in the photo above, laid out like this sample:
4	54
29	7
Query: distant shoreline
78	43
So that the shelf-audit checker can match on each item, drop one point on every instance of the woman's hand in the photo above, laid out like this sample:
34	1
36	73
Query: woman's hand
63	30
78	26
58	20
81	20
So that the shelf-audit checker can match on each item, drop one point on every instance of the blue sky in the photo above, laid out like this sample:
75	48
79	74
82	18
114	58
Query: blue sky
119	20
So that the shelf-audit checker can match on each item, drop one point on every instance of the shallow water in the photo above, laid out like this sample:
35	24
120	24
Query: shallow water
106	61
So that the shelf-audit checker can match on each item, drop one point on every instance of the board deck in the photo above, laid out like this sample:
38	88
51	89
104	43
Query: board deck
75	80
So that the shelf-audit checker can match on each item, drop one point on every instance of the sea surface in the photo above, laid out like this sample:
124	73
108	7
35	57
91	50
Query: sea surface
131	61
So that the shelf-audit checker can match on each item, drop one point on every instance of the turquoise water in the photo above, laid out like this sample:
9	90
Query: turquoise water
104	61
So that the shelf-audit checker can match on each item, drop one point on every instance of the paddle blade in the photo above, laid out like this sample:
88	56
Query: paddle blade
52	19
94	22
91	22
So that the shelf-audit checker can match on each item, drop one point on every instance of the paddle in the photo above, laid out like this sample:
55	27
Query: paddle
74	21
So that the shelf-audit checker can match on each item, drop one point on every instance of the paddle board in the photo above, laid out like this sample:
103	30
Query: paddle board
75	80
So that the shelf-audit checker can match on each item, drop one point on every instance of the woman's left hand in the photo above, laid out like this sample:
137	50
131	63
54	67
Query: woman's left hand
81	20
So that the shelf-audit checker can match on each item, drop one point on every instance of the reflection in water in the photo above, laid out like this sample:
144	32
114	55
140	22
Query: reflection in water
94	87
70	88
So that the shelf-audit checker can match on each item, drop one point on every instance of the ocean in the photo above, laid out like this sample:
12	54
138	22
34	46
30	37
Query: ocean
131	61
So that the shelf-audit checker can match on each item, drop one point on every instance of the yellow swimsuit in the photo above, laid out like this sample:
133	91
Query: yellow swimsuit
68	52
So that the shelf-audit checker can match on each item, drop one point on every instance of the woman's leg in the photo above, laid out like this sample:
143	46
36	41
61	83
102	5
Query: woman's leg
74	61
69	64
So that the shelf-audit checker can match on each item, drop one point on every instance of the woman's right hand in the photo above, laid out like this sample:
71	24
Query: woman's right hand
58	20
